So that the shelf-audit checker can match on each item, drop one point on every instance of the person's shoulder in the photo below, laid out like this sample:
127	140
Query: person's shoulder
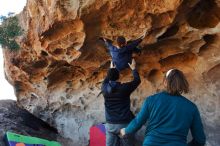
189	102
114	48
154	96
191	105
152	99
159	94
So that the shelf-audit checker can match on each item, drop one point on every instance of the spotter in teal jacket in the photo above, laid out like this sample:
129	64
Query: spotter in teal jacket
169	119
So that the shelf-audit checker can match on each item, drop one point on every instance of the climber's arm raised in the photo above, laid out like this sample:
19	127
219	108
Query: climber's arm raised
107	42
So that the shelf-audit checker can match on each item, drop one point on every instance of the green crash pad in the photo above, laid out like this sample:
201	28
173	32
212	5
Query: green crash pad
12	139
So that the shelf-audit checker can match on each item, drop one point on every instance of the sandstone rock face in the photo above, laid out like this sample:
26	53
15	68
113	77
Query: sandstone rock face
59	69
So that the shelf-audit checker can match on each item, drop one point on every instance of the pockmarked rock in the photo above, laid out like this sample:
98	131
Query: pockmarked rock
59	69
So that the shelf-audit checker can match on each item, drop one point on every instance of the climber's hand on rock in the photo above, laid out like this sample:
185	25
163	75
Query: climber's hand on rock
144	34
102	39
132	65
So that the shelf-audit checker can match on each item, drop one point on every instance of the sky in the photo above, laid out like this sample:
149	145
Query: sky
6	6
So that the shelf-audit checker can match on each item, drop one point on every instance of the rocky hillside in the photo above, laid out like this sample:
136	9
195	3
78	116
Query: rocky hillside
59	69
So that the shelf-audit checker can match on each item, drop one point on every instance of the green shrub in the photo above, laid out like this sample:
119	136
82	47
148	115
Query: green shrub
9	30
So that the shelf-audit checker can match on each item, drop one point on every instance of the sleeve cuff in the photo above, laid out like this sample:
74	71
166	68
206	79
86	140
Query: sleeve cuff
126	131
134	70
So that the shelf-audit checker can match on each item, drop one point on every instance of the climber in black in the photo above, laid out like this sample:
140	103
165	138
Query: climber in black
122	54
117	104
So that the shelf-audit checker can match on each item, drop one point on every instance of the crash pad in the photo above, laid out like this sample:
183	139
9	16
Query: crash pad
13	139
97	135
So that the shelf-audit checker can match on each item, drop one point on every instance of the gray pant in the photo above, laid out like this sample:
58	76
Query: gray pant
112	138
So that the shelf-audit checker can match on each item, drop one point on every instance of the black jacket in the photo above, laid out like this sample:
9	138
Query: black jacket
117	99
